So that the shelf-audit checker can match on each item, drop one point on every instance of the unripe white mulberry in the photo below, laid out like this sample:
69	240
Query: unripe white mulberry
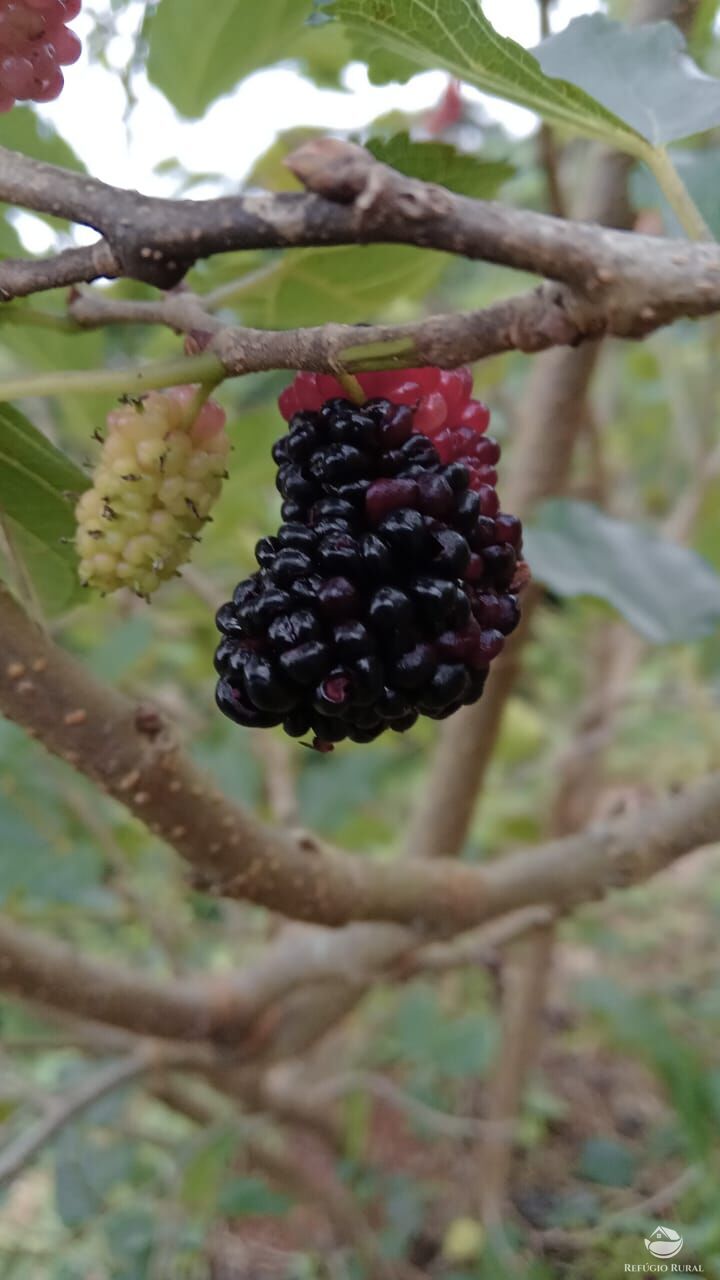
159	474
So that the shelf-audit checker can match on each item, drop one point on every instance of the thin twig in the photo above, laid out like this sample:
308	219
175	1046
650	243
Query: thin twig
440	1122
651	1205
278	761
64	1109
479	948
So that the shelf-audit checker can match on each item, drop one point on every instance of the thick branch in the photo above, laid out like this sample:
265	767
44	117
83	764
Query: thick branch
45	971
633	283
525	975
38	968
128	752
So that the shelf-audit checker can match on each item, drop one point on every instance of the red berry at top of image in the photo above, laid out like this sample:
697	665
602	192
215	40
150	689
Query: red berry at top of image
34	44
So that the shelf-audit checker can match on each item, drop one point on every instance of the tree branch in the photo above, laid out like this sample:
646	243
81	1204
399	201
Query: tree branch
525	976
322	1187
222	1008
613	281
355	199
547	316
479	948
443	1123
128	751
550	315
20	277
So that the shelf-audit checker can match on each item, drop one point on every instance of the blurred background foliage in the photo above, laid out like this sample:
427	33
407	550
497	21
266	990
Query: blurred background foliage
626	1098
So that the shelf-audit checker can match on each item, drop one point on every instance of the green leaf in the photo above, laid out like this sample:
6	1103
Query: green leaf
357	283
572	1209
52	349
642	74
322	52
357	1118
38	873
86	1168
608	1162
204	1173
457	1048
245	1196
54	578
349	785
131	1233
38	485
439	162
199	50
405	1207
23	130
120	648
456	36
645	1028
667	593
707	528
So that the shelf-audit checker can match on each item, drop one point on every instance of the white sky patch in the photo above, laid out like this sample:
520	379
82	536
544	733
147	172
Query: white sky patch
238	128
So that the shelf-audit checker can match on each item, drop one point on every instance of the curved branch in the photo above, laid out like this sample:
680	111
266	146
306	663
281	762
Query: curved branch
636	282
36	967
443	1123
20	277
128	751
547	316
221	1008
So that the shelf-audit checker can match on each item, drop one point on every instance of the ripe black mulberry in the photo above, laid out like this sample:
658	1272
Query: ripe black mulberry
387	591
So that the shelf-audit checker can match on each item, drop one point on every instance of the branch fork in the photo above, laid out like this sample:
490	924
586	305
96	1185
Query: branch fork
598	280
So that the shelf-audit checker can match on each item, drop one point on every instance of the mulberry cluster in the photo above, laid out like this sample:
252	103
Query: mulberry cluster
159	473
34	44
387	590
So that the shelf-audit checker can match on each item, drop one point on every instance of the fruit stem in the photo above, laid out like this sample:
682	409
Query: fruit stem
134	379
202	395
350	386
677	194
379	355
